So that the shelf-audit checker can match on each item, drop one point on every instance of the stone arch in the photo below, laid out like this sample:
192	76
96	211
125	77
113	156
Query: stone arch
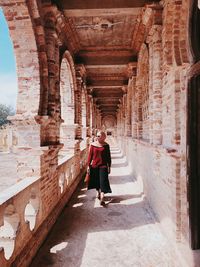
175	41
109	122
67	99
67	88
61	182
28	57
8	231
31	209
142	87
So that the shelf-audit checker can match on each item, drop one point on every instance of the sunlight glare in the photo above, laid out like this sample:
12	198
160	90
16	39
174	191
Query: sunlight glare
77	205
58	247
81	196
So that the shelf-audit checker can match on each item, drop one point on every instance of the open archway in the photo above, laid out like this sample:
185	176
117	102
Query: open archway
67	87
8	73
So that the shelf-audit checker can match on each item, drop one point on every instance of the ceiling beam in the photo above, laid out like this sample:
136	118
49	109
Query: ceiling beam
104	87
109	105
107	98
108	101
100	94
101	12
102	59
109	112
94	67
107	82
91	4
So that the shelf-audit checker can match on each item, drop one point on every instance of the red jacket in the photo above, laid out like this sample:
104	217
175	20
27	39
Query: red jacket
99	156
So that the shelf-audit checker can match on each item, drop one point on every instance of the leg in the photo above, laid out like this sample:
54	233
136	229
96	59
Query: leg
102	199
98	193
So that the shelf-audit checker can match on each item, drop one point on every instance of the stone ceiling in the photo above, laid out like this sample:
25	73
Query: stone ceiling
104	31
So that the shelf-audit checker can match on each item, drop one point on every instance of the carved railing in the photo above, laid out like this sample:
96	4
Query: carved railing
24	222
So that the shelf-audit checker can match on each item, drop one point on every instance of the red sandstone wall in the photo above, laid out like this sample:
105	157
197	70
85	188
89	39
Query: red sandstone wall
161	161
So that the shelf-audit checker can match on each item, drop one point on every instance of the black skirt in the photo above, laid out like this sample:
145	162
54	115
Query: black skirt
99	179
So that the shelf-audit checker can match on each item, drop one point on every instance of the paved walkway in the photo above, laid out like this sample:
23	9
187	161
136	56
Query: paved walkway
124	233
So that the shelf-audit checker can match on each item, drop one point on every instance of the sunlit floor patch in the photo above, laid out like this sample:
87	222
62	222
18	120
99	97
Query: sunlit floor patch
58	247
122	233
143	246
81	196
77	205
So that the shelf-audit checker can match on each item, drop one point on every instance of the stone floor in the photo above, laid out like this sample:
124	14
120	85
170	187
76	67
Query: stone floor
123	233
8	170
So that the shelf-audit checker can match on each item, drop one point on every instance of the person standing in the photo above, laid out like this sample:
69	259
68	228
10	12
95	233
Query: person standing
99	163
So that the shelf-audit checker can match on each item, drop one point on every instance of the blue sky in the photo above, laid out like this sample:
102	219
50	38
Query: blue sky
8	76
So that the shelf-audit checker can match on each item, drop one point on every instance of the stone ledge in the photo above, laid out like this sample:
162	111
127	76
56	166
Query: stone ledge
15	189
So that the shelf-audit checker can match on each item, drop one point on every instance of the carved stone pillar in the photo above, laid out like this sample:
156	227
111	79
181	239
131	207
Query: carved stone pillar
88	114
155	82
80	81
131	73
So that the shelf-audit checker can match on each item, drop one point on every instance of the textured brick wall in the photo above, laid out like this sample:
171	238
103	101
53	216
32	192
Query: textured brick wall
40	114
27	55
158	108
161	162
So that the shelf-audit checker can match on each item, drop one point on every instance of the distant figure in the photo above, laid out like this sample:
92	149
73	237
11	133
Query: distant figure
99	162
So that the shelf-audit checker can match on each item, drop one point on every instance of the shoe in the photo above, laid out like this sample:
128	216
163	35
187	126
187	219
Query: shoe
102	203
98	195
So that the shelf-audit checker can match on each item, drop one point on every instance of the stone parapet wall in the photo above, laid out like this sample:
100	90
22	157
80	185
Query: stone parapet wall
160	170
29	209
157	168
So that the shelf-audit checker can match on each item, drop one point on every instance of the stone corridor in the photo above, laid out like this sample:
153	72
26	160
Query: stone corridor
123	233
131	69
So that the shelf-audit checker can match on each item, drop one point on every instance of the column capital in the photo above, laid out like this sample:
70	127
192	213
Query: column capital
155	34
89	91
131	69
80	70
124	90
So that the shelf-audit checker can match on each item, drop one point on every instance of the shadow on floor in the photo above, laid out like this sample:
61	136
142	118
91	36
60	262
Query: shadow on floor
81	218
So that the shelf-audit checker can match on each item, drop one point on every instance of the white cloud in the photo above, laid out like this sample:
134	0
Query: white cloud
8	89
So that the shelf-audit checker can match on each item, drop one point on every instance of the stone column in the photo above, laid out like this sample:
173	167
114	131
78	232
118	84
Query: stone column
27	149
98	120
80	81
155	82
89	115
134	107
124	111
80	75
95	115
131	73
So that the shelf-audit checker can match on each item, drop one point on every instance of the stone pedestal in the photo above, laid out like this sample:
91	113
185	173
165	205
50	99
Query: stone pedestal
27	149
